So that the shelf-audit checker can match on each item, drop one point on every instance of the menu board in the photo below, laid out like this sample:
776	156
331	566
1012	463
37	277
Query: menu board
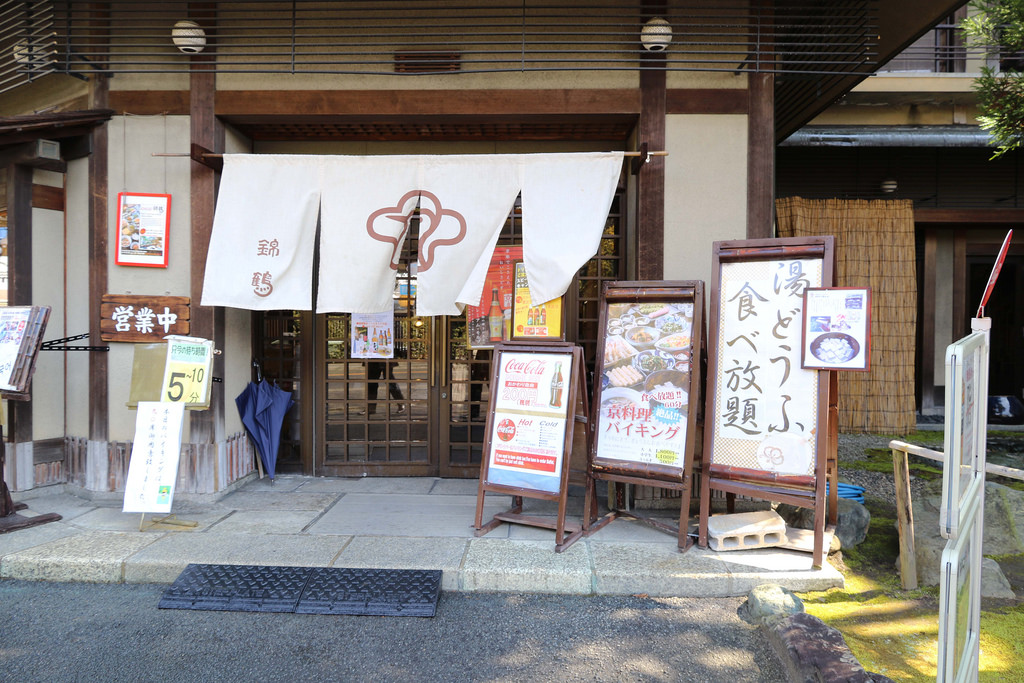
21	335
645	382
763	406
530	413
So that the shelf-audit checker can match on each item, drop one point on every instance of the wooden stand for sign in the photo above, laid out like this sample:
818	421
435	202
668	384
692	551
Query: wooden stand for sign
576	412
774	265
676	476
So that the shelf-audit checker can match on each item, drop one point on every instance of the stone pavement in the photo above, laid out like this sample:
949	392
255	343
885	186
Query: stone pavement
399	523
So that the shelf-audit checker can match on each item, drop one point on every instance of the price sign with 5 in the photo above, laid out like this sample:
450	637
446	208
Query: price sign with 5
187	372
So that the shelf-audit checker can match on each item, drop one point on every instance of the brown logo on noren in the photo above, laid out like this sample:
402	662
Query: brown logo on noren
432	215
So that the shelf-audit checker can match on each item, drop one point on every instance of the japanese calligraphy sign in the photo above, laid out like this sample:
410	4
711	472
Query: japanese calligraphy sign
764	412
528	428
143	224
837	328
645	392
187	371
142	318
153	464
21	334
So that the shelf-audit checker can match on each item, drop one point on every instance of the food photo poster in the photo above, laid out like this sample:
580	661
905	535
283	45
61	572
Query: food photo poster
837	328
143	223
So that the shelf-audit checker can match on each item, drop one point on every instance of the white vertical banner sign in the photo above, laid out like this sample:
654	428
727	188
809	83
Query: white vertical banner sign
153	464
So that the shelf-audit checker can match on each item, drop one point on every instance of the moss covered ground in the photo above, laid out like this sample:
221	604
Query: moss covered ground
896	632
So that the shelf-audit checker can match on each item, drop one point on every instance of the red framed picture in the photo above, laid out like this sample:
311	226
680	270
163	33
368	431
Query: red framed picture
143	227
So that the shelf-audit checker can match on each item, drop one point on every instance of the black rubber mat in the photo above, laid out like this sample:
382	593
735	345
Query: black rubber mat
389	592
305	590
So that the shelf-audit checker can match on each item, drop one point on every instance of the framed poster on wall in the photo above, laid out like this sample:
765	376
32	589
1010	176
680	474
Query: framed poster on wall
143	228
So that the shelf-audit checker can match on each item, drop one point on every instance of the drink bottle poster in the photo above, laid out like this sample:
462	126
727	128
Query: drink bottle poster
535	323
373	335
490	321
528	428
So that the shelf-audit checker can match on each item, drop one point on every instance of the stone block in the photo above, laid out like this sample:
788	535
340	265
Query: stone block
746	530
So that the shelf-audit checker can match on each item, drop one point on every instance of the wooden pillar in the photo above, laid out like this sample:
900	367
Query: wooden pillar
761	125
650	213
19	288
761	156
207	322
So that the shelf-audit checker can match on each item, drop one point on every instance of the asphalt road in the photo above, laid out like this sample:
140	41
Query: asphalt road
85	632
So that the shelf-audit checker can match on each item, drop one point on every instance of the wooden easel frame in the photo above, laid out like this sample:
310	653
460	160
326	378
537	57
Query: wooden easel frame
648	474
576	411
800	490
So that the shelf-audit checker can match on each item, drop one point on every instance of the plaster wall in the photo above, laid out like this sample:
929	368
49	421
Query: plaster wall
76	199
48	252
132	140
705	190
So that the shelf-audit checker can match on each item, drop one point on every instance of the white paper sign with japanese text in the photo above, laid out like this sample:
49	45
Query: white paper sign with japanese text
153	464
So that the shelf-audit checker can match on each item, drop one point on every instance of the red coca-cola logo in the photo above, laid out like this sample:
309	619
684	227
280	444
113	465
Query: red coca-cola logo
506	430
531	367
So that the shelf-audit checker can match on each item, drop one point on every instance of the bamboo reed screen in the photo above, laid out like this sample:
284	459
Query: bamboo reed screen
875	248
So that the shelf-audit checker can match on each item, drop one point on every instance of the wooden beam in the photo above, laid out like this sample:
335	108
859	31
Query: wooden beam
48	197
969	216
150	102
242	103
707	101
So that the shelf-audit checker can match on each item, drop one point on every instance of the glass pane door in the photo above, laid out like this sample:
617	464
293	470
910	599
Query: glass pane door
378	412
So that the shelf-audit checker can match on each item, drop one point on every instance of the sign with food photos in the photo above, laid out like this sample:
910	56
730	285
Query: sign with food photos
644	376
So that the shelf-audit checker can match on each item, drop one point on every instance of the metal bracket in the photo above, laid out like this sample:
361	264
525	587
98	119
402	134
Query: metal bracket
642	158
55	344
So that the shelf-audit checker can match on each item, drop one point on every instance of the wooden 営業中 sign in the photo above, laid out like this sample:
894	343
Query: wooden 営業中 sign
143	318
647	393
769	425
537	397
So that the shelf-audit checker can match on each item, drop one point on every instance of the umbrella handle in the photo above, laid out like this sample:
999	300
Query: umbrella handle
259	370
